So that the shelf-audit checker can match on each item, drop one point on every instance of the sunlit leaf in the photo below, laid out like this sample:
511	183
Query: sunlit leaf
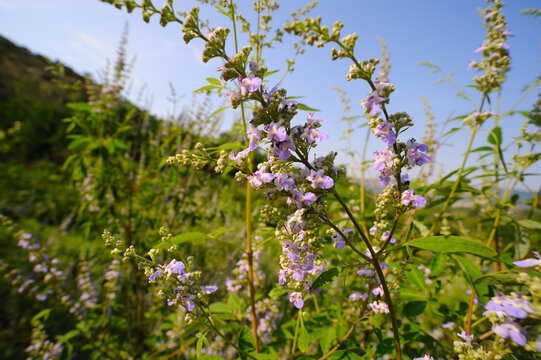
452	244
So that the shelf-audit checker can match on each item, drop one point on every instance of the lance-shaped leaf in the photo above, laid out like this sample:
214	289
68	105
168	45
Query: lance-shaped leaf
325	278
452	244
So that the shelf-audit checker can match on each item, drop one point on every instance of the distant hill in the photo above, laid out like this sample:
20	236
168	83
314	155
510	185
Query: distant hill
30	95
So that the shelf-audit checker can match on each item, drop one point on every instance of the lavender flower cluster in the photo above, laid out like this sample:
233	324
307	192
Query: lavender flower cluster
179	285
507	311
397	155
286	175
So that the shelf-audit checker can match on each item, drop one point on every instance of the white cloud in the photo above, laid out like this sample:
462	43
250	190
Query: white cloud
92	51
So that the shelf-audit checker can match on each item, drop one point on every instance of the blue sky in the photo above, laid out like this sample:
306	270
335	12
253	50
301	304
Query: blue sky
85	33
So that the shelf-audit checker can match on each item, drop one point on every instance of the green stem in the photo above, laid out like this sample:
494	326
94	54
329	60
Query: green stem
375	262
249	250
227	340
296	333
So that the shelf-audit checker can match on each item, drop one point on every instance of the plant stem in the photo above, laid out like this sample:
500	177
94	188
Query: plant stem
249	251
296	332
375	262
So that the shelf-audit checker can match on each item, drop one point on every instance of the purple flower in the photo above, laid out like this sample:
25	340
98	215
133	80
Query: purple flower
320	180
268	94
187	300
208	289
535	261
357	296
249	84
384	159
517	308
296	299
372	104
468	338
385	176
299	198
155	275
233	98
174	267
282	149
276	132
409	197
286	103
259	177
238	157
385	237
255	135
253	66
378	291
284	182
282	276
426	357
365	272
379	307
511	330
290	249
384	131
339	242
414	153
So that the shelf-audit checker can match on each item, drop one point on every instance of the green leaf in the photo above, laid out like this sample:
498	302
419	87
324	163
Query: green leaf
451	131
234	301
43	314
416	277
414	308
439	261
220	307
80	106
408	234
199	345
407	292
306	108
327	337
452	244
472	273
277	292
304	338
211	357
530	224
499	278
220	231
482	148
423	230
217	111
325	278
67	336
269	73
345	355
162	245
207	88
522	244
187	237
214	81
262	356
245	342
495	136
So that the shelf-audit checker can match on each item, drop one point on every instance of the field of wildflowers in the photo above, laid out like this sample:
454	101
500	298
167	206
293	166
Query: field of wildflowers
176	243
